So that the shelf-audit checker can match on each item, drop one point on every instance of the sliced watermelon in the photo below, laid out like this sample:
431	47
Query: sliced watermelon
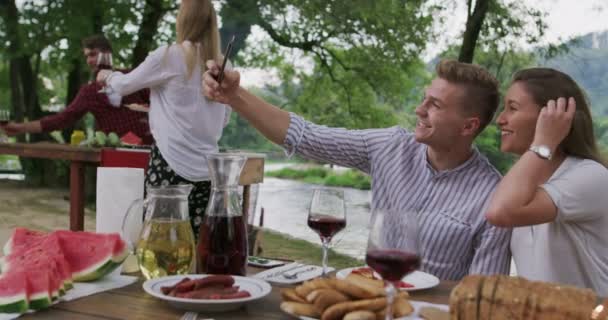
43	252
51	245
39	292
92	255
35	259
131	139
20	238
13	293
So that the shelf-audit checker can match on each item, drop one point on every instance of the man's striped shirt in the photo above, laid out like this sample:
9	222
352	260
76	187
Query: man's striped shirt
454	237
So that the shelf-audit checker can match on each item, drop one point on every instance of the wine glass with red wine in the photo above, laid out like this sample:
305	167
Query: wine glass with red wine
392	248
327	216
104	62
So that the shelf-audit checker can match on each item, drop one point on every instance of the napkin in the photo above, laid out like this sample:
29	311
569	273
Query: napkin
304	272
117	188
83	289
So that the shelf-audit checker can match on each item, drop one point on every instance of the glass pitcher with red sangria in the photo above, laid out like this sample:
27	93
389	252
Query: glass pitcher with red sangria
222	245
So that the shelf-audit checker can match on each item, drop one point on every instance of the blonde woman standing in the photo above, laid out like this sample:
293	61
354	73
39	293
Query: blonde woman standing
185	125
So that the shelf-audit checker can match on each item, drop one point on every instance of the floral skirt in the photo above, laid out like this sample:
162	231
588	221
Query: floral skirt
160	174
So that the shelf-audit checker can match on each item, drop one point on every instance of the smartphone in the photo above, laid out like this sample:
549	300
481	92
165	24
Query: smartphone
220	76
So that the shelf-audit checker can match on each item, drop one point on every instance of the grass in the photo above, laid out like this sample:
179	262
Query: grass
327	177
278	245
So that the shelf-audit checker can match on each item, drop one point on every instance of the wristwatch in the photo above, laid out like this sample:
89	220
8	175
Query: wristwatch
542	151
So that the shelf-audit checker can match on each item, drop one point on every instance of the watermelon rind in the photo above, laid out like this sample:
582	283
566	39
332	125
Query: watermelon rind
39	293
40	301
14	304
13	293
7	246
99	270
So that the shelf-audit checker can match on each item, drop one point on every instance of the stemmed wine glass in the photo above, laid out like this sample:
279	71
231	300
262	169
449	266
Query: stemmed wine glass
327	216
392	248
5	117
104	62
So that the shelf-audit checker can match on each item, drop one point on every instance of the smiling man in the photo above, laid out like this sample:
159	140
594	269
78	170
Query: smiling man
433	171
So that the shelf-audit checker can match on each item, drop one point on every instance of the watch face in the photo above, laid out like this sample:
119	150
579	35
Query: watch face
544	151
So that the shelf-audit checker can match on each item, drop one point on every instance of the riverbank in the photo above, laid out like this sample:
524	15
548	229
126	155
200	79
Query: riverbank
47	209
323	175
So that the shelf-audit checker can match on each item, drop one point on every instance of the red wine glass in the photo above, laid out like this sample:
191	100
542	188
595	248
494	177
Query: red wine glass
392	249
327	216
104	62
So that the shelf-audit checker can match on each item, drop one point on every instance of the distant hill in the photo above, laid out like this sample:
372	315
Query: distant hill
587	63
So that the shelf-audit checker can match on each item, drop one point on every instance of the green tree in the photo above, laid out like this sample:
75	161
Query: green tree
496	24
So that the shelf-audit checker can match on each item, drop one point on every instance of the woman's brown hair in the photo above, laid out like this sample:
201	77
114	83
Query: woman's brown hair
544	84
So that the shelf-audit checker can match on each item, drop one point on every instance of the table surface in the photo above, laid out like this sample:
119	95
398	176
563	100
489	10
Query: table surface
131	302
49	150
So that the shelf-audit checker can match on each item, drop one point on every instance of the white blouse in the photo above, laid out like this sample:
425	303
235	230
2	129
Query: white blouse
185	124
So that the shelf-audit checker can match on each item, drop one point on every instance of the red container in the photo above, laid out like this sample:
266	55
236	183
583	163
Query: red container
123	158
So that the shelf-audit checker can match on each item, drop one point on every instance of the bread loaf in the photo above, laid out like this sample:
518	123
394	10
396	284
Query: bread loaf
501	297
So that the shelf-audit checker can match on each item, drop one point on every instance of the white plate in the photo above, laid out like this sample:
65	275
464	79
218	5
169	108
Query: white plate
256	287
420	280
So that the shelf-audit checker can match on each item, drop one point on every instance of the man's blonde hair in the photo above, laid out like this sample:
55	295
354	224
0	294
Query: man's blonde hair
197	23
481	96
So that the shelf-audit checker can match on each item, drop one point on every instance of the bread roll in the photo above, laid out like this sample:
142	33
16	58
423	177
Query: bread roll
337	311
299	309
290	294
401	308
308	286
325	298
360	315
357	290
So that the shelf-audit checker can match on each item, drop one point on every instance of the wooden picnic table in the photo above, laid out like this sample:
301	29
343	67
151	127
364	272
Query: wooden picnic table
79	157
131	302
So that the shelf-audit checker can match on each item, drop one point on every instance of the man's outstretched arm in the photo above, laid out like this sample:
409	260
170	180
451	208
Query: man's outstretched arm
270	120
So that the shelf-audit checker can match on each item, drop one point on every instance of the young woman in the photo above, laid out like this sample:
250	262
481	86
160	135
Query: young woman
555	195
185	125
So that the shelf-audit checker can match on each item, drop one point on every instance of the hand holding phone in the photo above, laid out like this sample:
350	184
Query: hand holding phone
220	75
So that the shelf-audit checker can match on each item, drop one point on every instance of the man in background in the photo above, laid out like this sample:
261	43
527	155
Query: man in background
108	117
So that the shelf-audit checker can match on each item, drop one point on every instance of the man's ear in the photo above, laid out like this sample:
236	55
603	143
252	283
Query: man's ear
471	126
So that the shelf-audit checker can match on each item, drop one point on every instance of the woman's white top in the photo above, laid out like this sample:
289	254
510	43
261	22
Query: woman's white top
185	124
573	249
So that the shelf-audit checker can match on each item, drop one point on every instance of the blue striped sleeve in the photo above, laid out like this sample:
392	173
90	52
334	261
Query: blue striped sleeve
339	146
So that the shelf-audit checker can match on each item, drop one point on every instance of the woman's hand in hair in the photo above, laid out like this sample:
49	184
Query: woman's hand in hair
554	122
227	91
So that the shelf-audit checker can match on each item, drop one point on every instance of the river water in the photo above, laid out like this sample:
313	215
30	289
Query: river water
286	203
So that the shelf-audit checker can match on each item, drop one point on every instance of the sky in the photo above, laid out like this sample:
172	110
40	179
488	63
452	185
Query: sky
566	19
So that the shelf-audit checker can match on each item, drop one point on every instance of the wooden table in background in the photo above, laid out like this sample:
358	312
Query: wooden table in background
79	157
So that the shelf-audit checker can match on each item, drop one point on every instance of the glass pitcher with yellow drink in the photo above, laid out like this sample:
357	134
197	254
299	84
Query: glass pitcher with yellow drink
163	240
